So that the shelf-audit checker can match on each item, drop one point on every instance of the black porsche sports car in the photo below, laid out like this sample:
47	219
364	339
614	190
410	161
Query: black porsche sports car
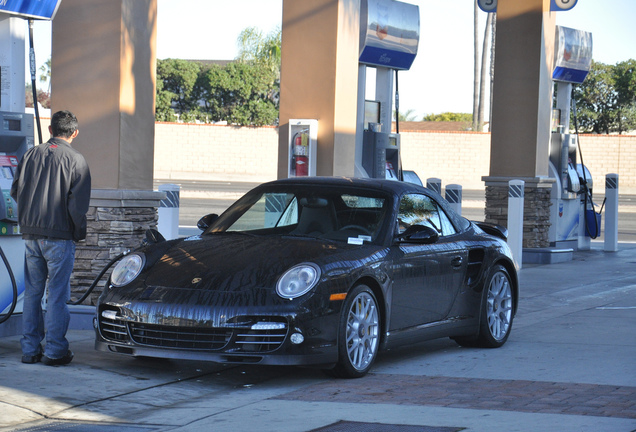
315	271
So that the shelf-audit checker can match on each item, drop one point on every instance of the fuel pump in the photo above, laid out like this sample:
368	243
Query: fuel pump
16	137
564	195
571	191
389	40
381	154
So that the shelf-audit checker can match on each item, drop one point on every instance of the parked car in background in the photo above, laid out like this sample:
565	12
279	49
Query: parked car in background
321	272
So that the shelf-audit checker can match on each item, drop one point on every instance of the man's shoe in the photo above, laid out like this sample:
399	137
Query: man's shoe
30	359
60	361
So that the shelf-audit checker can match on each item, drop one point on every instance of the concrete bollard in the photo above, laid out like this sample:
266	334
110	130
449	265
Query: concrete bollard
611	213
168	224
515	220
434	184
584	240
453	195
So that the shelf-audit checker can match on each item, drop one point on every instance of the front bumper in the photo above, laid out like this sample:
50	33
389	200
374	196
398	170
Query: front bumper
326	357
251	339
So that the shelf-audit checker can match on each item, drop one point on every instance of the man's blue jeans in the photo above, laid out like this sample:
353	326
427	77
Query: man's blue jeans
54	259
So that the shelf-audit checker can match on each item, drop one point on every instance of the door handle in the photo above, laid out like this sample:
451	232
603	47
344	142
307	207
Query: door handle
457	261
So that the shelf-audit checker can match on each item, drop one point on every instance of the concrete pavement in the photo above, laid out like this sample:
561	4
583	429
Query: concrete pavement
569	365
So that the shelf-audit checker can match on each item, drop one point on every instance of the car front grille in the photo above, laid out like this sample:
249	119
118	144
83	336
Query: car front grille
179	337
253	335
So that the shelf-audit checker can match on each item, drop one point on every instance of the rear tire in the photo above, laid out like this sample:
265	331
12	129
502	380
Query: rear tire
497	312
358	334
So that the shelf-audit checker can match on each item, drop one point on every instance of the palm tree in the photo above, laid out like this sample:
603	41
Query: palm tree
475	64
45	74
254	47
481	67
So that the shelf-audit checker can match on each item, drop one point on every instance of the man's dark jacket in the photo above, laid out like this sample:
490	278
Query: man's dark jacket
52	187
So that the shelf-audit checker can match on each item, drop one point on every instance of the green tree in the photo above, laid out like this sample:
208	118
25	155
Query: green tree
163	103
238	93
625	83
449	116
254	47
407	116
606	100
244	92
45	74
44	98
178	78
264	52
596	100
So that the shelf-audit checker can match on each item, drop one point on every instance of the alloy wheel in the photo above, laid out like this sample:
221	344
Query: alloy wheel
499	306
362	331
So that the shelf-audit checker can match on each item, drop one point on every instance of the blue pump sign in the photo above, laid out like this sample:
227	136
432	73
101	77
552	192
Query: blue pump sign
35	9
572	55
389	33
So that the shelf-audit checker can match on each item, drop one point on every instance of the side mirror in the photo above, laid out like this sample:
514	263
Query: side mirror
153	236
419	234
207	220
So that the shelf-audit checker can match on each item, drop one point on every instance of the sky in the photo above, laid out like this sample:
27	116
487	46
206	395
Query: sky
441	77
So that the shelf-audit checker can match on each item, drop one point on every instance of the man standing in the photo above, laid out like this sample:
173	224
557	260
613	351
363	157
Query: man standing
52	187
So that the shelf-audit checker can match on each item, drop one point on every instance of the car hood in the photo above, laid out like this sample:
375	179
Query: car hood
230	262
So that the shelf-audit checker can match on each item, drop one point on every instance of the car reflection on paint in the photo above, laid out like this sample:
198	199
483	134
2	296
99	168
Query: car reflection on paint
321	272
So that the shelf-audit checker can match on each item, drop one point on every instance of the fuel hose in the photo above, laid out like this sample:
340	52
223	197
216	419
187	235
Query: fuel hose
587	191
14	302
98	278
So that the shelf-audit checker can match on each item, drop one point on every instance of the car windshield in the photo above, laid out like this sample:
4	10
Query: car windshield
354	216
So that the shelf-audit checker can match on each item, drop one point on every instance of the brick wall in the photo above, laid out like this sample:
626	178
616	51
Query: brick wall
604	154
190	151
187	151
454	157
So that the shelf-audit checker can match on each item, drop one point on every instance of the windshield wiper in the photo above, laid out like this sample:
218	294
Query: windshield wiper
244	233
309	237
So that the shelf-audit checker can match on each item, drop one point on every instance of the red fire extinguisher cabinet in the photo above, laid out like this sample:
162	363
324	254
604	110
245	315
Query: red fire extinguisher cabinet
302	148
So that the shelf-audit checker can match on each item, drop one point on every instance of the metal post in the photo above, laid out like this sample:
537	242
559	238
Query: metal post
584	240
454	197
434	184
611	213
515	220
168	224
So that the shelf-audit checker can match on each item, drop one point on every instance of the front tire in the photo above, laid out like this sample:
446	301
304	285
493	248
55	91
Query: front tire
358	335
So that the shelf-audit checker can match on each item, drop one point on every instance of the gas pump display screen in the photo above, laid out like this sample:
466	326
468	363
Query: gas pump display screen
12	125
7	173
8	165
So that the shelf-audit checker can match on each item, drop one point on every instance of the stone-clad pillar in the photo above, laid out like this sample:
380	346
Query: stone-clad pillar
103	69
117	222
536	212
521	112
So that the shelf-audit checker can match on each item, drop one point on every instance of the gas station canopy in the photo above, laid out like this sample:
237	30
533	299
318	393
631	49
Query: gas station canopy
30	9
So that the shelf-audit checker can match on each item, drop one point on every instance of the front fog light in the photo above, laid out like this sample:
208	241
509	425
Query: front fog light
268	326
297	338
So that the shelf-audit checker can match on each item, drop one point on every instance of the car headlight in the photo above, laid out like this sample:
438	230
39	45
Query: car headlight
298	280
127	269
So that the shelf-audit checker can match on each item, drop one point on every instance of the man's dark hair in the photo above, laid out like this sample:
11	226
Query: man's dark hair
63	124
